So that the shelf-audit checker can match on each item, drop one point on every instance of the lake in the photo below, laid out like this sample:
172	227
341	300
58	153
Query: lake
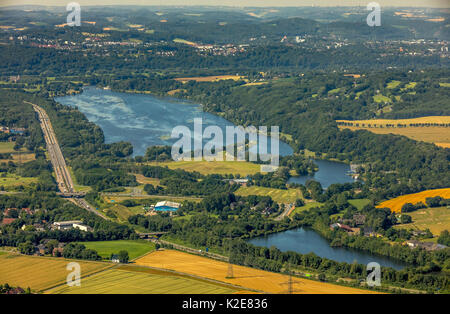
141	119
329	172
146	120
304	240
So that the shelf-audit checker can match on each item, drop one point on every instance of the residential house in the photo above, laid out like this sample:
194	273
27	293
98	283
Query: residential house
115	259
7	221
429	246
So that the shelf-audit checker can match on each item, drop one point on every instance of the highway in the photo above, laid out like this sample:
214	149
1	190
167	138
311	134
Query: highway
63	177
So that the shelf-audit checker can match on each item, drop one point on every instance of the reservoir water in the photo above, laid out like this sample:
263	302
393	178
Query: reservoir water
143	120
303	240
329	172
146	120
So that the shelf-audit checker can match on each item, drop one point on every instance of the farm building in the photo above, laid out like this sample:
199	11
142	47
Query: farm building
65	225
167	206
348	229
242	182
429	246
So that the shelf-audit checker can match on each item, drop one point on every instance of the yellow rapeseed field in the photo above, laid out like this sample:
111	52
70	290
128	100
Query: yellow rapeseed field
396	204
242	168
246	277
40	273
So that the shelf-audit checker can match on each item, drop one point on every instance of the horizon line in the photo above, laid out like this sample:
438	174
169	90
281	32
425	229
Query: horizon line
6	5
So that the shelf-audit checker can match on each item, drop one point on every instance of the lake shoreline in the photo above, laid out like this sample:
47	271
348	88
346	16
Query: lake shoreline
382	259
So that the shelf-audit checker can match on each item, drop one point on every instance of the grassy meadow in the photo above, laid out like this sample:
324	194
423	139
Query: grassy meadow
11	181
278	195
7	147
135	248
307	206
242	168
436	219
359	203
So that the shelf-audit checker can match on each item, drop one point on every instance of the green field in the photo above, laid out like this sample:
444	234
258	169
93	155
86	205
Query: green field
393	84
122	212
334	91
7	147
135	248
436	219
141	280
11	181
359	203
381	98
409	86
78	187
278	195
242	168
306	207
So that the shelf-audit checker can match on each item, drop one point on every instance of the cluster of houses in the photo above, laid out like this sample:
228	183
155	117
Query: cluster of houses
429	246
41	249
346	228
355	226
43	225
7	217
15	131
359	220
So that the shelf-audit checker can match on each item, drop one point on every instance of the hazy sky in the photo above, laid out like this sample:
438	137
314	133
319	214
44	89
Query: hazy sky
239	3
